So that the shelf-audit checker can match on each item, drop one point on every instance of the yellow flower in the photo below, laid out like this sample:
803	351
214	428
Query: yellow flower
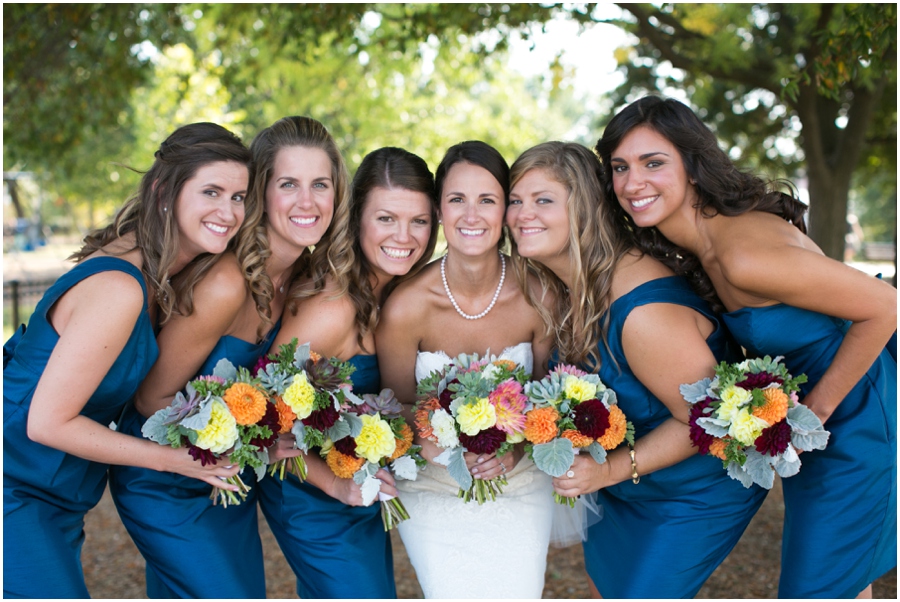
733	399
376	439
474	418
300	396
220	432
580	390
745	427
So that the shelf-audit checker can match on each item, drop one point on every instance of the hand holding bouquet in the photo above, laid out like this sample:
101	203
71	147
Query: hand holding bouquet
369	436
475	405
309	392
227	413
749	417
572	410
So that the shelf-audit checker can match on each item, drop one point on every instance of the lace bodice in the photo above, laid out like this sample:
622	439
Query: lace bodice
429	361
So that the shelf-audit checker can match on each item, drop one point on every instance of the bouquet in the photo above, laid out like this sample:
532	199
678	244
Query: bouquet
474	405
309	392
572	410
226	413
749	417
371	435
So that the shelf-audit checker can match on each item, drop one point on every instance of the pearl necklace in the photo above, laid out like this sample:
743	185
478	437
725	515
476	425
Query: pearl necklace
493	301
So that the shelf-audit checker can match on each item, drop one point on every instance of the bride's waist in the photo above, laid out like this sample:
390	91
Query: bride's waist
437	479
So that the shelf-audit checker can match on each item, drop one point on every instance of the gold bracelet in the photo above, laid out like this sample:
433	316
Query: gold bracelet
635	477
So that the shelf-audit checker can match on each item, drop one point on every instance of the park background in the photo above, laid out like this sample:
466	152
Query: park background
806	92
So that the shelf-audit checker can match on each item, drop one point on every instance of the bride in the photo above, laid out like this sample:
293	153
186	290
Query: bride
469	302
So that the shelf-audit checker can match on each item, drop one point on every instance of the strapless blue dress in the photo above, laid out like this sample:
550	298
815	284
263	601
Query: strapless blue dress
840	523
171	518
336	551
663	537
47	492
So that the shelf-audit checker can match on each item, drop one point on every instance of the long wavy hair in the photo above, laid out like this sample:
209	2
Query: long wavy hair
594	247
721	187
480	154
285	133
390	168
150	213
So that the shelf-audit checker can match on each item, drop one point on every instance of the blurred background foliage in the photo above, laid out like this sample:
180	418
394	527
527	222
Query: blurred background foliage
803	91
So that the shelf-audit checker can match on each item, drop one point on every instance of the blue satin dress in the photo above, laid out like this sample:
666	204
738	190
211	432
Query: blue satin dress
663	537
336	551
47	492
840	524
192	548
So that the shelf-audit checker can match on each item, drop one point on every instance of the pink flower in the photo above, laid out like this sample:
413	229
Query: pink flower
212	379
569	369
509	404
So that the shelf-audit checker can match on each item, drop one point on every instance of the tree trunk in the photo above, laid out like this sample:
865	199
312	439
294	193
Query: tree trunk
13	187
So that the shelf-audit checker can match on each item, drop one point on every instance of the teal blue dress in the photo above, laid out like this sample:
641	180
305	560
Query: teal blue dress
336	551
663	537
171	518
47	492
840	523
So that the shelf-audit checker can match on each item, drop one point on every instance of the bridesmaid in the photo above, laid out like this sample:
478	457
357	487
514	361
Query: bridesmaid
337	547
90	343
670	516
298	175
744	243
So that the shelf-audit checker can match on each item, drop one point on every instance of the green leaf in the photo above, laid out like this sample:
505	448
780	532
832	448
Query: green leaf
555	457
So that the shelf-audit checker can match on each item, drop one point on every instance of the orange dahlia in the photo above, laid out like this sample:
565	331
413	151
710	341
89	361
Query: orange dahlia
342	465
540	425
286	416
404	444
776	406
615	434
246	402
717	448
508	364
577	439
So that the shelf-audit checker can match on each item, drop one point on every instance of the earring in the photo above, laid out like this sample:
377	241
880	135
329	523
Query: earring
165	209
693	182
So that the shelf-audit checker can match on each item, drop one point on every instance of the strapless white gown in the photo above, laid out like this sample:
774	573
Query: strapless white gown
463	550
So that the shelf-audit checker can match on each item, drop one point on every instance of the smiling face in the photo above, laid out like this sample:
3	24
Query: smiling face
395	226
649	178
209	209
472	208
299	199
538	218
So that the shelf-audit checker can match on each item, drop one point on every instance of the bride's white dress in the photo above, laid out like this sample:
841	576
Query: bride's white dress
463	550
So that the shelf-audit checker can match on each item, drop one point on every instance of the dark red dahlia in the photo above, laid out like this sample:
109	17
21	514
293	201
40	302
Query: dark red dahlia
270	419
591	418
346	446
446	398
700	438
203	455
261	364
758	381
486	442
774	440
322	419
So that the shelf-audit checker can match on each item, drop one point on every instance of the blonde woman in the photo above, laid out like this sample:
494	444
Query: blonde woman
90	343
670	516
298	183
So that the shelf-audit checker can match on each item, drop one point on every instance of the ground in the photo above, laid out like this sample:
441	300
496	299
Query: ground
115	569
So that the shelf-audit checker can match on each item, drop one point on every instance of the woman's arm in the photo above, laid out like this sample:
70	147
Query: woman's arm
665	346
185	342
95	320
790	274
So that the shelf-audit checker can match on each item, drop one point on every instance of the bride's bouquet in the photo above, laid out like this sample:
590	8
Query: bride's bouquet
572	411
749	416
309	392
370	436
474	405
227	413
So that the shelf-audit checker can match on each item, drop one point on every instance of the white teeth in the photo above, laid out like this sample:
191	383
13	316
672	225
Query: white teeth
471	232
530	230
643	202
304	221
397	253
216	228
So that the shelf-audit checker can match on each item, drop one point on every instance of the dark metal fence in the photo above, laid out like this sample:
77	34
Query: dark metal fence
21	296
